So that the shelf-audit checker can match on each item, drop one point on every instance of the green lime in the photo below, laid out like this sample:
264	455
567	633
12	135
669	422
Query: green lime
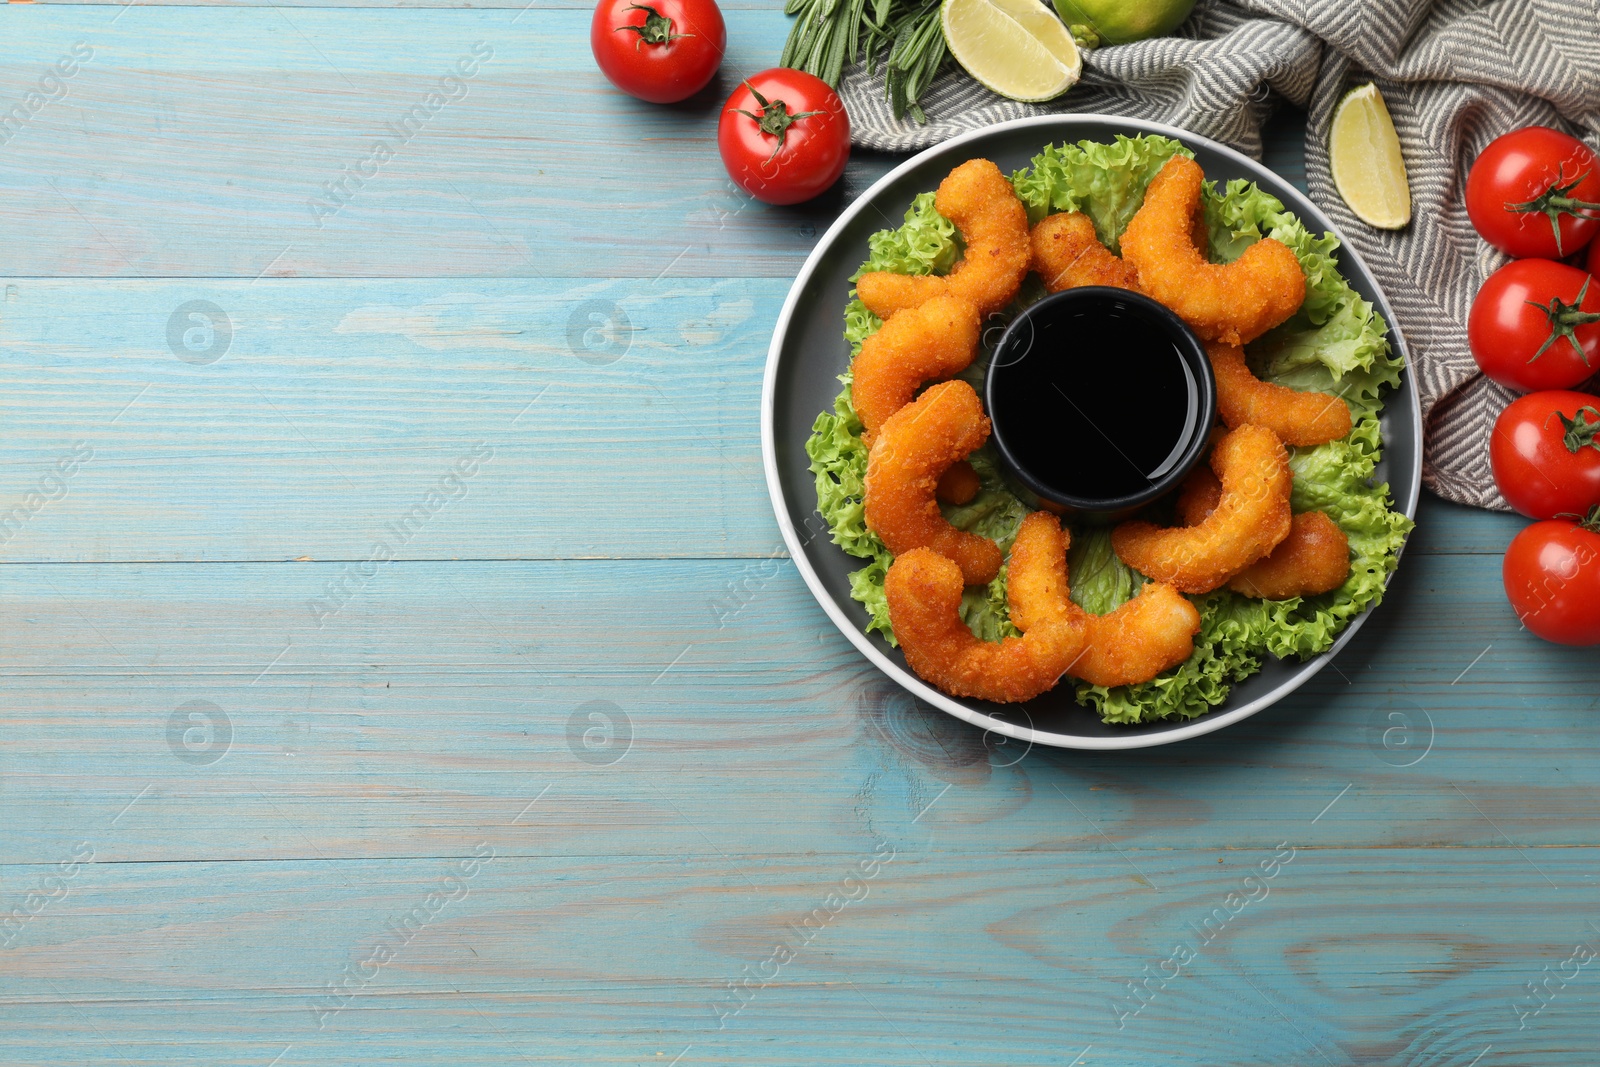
1120	21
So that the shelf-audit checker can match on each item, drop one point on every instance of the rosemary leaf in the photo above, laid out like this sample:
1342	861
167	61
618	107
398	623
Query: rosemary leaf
904	35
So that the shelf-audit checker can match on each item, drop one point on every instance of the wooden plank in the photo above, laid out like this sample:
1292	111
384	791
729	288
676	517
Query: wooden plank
330	407
1437	783
1446	527
445	696
617	960
195	142
336	407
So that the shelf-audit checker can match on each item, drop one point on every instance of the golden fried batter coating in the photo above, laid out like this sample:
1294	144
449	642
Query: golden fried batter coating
1140	639
1200	234
1199	496
914	447
1250	519
1036	573
1297	417
994	224
924	594
1314	558
933	341
1143	637
1068	254
886	293
1234	302
958	485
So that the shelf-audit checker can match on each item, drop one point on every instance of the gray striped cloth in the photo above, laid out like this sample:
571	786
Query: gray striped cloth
1455	74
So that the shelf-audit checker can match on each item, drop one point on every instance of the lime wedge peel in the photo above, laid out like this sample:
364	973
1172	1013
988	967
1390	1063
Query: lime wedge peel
1017	48
1364	157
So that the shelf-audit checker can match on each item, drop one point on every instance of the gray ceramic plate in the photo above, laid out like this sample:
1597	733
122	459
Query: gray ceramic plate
808	353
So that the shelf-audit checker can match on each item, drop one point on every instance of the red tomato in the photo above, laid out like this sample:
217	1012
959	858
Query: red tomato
1535	324
784	136
663	51
1535	192
1545	453
1552	578
1594	258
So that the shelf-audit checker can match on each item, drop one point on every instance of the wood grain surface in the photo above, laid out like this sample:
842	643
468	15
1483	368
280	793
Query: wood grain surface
582	774
196	141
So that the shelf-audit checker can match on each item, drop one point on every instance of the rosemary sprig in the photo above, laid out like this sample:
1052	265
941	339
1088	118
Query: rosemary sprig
915	57
903	34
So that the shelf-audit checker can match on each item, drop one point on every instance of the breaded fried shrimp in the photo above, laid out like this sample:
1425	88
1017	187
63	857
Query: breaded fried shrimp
1250	519
1200	234
980	201
886	293
1140	639
1234	302
1067	254
1298	417
1036	573
1314	558
923	590
958	485
913	448
924	594
1199	496
927	343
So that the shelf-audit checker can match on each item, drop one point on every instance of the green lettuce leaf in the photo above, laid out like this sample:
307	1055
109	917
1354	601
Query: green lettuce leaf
926	244
839	467
1336	343
1100	582
985	611
1336	327
1104	181
1226	649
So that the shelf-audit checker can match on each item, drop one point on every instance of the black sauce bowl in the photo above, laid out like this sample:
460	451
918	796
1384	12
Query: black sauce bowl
1044	330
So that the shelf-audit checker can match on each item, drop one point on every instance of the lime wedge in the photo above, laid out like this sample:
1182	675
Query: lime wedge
1364	156
1017	48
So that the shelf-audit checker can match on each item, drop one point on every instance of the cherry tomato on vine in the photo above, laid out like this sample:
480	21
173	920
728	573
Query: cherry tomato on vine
1594	257
1535	192
1552	578
1545	453
1535	324
784	136
662	51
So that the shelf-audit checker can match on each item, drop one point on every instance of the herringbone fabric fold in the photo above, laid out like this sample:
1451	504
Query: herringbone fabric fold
1455	74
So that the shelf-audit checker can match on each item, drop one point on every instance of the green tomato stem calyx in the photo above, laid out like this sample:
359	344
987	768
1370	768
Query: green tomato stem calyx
657	28
1564	321
1555	202
775	119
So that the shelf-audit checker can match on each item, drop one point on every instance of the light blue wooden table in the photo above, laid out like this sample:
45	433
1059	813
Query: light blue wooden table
400	665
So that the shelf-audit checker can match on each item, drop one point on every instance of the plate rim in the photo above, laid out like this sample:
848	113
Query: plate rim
864	642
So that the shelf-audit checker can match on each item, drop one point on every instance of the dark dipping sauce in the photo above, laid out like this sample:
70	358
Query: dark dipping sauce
1099	397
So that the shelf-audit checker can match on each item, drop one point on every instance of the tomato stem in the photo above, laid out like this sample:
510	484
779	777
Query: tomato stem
1580	431
774	119
1590	522
1555	202
1565	320
657	28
